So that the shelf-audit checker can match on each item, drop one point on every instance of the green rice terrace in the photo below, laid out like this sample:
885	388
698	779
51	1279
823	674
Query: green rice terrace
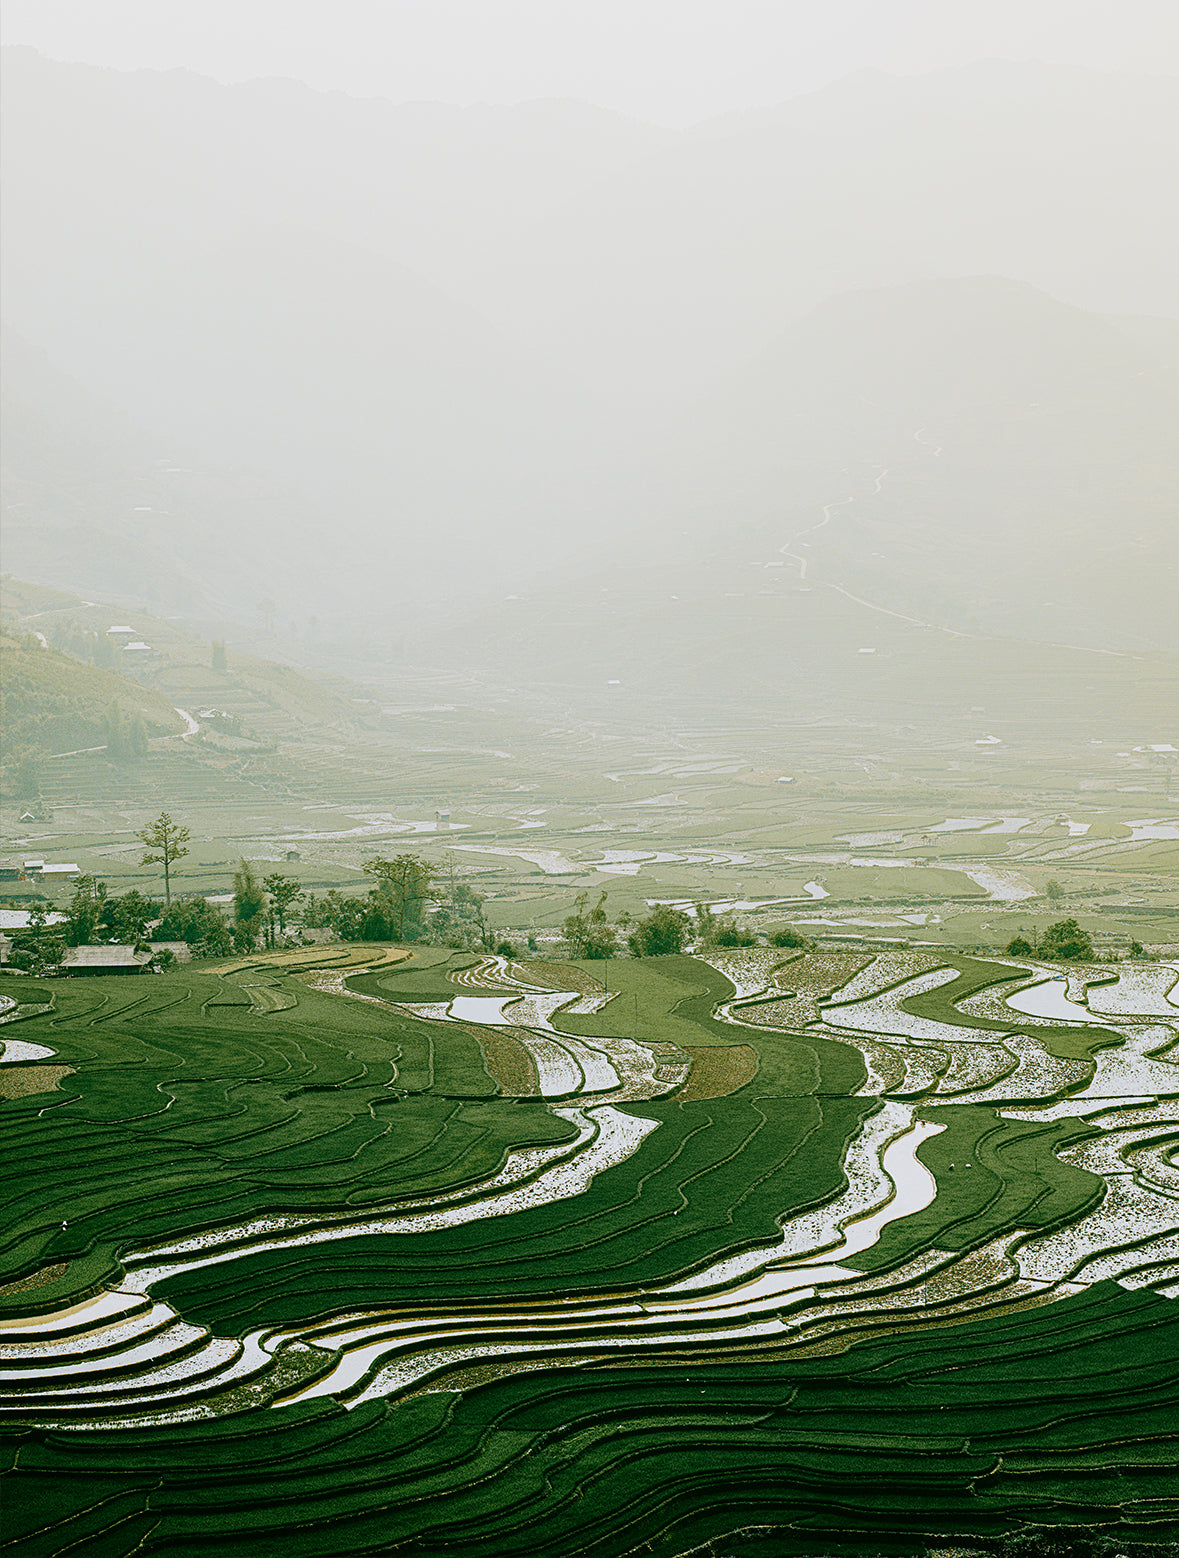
369	1250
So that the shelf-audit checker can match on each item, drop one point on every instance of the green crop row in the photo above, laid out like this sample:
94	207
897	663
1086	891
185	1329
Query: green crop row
894	1445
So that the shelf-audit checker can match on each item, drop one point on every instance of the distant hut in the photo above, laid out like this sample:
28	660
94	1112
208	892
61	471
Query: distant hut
119	959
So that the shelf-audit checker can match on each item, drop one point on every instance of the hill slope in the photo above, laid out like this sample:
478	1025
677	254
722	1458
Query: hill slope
51	701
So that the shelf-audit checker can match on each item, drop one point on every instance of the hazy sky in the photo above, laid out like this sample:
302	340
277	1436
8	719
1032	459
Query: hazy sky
672	60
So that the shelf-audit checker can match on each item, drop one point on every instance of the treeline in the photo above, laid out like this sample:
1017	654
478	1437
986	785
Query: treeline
664	931
410	900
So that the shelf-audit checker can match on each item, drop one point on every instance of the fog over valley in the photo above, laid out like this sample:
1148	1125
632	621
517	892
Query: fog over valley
482	346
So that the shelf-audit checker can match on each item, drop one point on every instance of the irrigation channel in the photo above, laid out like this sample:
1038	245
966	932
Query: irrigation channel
1009	1043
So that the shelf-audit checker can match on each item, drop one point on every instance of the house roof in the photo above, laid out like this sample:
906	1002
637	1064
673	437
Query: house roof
120	956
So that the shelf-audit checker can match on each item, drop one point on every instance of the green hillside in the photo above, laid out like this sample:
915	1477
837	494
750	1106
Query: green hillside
54	702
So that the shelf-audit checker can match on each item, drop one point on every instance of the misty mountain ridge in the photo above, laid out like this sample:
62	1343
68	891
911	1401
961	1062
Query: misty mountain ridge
422	355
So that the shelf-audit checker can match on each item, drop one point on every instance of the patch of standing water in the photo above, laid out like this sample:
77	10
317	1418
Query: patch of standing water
1152	828
1048	999
12	1050
1003	886
549	861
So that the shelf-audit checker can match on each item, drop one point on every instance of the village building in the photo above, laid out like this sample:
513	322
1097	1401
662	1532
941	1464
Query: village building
118	959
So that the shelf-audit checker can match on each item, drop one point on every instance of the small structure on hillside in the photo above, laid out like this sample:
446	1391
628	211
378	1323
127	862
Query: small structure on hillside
118	959
180	950
292	854
120	632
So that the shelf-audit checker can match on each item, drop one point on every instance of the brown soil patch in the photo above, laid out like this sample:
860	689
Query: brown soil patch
20	1081
717	1071
560	976
509	1064
38	1279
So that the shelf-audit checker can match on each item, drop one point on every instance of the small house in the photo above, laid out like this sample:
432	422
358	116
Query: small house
120	632
118	959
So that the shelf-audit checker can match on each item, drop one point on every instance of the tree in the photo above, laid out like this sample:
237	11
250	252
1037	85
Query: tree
249	906
84	911
200	924
589	933
127	917
167	842
788	938
1054	892
664	931
725	932
23	772
1066	942
1020	947
284	891
404	883
219	661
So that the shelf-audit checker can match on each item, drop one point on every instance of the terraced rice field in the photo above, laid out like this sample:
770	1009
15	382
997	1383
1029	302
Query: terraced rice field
443	1254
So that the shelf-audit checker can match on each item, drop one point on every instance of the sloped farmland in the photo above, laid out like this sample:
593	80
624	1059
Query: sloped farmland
454	1255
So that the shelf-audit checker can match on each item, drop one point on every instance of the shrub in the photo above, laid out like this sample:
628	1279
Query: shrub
1066	942
788	938
663	931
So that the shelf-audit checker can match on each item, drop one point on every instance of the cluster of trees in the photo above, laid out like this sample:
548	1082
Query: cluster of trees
410	900
23	770
37	947
1064	942
126	735
663	932
93	916
82	643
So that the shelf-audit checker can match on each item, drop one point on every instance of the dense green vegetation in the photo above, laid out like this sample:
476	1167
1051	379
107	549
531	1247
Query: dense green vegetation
192	1104
205	1099
1050	1418
52	702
